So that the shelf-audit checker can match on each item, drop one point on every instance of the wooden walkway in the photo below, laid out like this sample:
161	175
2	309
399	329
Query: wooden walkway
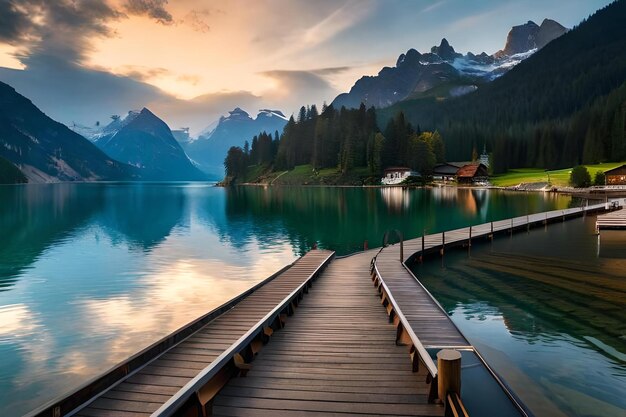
174	376
336	356
464	236
615	220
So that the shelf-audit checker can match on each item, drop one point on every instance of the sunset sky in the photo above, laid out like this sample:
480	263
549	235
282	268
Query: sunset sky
192	60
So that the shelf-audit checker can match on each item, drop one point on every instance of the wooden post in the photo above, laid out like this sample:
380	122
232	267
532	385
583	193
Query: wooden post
401	250
448	372
443	243
527	223
511	226
469	241
422	253
491	235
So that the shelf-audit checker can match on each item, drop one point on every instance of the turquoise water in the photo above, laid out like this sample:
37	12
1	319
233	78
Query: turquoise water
547	310
92	273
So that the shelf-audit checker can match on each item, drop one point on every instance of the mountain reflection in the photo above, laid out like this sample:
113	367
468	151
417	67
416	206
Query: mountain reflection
142	215
33	218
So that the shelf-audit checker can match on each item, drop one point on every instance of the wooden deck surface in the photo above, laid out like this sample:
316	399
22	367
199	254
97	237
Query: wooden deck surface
336	356
613	220
144	392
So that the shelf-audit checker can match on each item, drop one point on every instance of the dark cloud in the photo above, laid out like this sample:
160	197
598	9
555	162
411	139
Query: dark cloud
330	70
14	22
141	73
154	9
61	29
296	80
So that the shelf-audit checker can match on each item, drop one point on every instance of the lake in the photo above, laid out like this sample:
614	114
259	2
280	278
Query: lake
92	273
547	310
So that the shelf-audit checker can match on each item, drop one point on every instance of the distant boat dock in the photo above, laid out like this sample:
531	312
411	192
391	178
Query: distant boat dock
356	335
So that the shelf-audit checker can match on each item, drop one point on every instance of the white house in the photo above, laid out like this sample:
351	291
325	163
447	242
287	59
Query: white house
395	175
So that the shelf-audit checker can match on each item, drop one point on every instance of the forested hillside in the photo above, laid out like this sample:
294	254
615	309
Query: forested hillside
345	139
563	106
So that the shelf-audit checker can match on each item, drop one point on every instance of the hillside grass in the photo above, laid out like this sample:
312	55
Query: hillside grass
306	175
559	178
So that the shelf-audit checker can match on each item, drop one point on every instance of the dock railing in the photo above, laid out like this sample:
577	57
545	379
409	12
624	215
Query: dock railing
405	333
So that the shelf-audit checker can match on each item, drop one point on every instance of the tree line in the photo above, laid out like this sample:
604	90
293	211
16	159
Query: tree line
344	139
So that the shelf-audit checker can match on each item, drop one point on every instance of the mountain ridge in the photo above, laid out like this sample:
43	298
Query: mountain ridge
145	141
47	151
417	74
209	149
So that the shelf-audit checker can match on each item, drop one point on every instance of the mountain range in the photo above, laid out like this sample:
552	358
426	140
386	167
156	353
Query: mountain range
209	149
45	150
443	72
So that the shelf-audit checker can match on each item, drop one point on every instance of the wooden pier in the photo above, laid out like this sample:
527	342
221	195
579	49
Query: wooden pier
335	356
317	338
615	220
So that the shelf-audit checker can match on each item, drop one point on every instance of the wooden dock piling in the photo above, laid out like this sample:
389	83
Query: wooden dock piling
449	372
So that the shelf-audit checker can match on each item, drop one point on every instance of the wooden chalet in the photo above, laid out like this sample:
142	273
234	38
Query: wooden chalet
616	176
472	174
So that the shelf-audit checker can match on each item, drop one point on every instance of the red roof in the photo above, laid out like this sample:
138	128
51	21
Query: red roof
469	171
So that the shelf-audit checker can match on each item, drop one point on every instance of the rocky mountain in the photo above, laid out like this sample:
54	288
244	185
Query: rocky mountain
47	151
444	72
144	141
209	149
530	36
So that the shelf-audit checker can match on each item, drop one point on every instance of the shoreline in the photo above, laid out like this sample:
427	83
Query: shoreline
583	192
590	193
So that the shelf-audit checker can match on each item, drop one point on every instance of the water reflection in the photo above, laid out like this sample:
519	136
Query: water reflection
546	312
91	273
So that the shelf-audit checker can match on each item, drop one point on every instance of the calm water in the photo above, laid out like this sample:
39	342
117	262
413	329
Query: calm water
547	310
92	273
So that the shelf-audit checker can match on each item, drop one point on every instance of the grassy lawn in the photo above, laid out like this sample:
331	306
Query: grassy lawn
253	172
558	177
305	175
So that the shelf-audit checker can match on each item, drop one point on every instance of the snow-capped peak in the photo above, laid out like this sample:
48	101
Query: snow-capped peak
271	113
